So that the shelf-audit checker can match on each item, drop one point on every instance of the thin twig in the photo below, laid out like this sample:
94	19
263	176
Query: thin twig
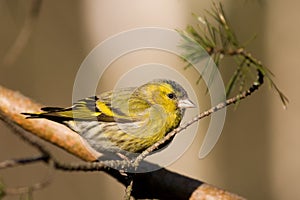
29	189
85	166
17	162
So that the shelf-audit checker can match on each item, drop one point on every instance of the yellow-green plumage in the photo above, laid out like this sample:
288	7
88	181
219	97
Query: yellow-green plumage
125	120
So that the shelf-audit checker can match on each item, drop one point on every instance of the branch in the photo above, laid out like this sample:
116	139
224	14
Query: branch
161	183
215	35
27	189
17	162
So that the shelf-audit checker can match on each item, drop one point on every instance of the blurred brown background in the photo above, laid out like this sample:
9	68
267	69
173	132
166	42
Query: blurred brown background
257	154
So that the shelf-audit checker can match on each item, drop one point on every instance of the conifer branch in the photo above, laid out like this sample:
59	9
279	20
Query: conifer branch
214	34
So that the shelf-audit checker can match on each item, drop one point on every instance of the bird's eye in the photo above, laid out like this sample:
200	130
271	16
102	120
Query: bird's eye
171	96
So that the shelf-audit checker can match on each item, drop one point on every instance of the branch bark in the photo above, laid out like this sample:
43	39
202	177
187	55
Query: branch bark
162	184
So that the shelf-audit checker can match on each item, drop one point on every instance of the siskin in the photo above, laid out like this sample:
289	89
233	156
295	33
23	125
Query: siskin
124	121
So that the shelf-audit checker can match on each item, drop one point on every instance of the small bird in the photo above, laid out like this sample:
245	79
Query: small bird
124	121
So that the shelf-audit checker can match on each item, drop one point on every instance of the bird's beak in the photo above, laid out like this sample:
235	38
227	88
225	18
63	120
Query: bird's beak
186	103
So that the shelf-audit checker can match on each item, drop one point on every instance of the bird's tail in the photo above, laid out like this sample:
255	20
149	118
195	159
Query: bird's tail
51	113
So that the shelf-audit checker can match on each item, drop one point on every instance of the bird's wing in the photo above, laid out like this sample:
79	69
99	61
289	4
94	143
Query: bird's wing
120	106
111	106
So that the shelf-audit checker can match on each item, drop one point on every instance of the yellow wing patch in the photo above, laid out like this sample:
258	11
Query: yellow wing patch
103	108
